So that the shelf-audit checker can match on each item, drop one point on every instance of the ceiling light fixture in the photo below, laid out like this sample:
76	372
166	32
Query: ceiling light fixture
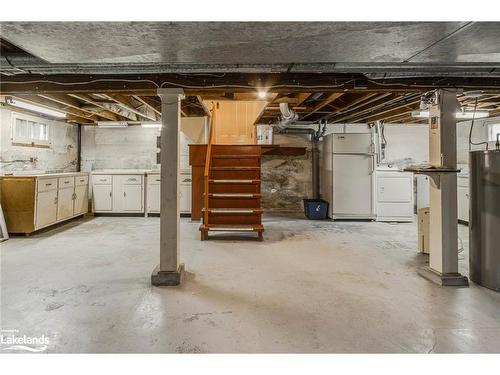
36	108
151	124
262	94
459	115
112	124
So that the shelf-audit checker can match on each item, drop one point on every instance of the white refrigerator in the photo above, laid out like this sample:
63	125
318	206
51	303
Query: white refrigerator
348	175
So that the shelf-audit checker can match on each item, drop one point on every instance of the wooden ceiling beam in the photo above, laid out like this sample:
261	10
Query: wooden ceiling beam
356	102
271	97
37	100
329	99
105	111
381	115
125	103
345	113
73	102
149	102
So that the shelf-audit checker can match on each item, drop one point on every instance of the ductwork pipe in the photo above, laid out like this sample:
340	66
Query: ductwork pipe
288	116
315	136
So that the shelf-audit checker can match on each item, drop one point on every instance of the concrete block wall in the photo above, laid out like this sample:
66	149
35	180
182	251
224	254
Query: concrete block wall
60	157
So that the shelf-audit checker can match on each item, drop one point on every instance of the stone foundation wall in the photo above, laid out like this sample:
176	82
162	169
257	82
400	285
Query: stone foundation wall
286	180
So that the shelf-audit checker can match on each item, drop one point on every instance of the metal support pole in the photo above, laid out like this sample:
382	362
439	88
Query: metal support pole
315	165
443	232
170	271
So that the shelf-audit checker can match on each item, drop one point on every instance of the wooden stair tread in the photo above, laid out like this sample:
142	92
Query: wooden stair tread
235	195
235	181
232	227
234	210
234	168
235	156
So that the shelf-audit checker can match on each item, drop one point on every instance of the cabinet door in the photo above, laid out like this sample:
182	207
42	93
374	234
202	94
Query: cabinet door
65	203
46	208
185	198
132	198
154	198
81	200
102	196
463	203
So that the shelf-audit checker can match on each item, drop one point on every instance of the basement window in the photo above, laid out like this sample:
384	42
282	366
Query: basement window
494	129
26	132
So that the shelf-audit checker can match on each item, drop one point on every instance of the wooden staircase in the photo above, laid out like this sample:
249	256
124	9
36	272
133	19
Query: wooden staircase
232	198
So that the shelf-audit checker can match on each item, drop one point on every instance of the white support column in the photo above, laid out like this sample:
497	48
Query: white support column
443	231
169	272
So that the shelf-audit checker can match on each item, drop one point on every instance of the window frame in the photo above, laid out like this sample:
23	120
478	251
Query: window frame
30	141
492	135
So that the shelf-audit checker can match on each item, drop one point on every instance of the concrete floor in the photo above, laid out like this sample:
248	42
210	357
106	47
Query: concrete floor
310	287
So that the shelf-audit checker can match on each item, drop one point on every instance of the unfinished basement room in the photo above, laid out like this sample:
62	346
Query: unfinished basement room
240	187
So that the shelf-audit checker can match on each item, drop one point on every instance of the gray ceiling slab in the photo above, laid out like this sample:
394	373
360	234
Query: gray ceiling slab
255	43
479	42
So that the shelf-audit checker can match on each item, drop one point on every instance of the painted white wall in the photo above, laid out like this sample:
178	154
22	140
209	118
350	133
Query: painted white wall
132	147
61	156
404	141
412	140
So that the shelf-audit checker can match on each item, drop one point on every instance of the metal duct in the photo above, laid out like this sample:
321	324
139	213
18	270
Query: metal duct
315	136
289	117
22	63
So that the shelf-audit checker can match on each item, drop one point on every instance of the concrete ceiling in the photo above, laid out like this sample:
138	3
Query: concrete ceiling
257	43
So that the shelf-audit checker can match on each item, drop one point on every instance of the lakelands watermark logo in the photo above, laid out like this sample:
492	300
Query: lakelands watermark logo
11	340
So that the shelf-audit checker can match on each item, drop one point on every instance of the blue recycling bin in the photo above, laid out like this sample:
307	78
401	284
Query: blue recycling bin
316	209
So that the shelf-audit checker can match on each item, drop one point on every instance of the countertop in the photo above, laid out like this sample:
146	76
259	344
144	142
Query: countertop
124	171
45	175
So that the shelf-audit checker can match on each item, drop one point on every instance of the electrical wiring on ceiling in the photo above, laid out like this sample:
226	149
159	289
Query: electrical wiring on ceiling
472	127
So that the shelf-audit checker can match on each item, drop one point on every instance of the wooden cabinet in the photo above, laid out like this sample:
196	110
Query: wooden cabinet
185	194
65	202
46	208
102	198
35	202
81	196
118	193
81	199
153	194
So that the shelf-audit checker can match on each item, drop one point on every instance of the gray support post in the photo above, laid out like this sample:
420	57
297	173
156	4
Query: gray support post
443	231
170	271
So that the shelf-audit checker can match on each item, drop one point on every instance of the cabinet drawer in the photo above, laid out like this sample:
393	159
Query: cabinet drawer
65	182
463	181
81	180
46	184
101	179
154	179
132	180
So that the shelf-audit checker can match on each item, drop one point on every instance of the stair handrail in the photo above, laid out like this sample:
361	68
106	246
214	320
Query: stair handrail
208	157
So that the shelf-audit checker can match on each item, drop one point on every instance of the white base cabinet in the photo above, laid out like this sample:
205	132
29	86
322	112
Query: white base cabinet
118	193
33	202
153	194
463	198
46	208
